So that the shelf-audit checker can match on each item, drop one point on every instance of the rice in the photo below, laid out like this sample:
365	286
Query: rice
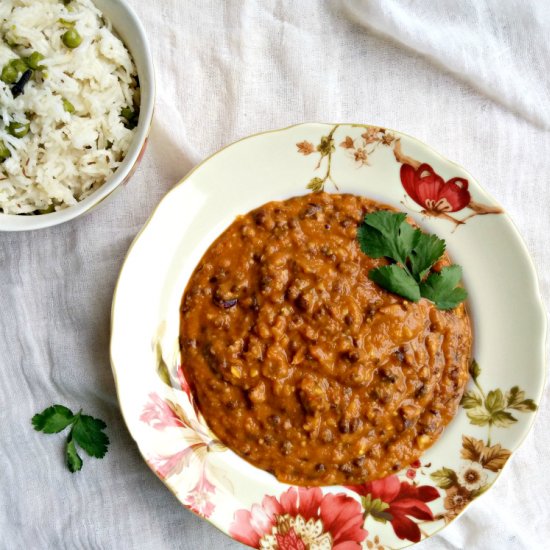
67	153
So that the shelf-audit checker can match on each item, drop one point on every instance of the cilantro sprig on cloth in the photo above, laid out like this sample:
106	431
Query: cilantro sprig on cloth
388	235
86	431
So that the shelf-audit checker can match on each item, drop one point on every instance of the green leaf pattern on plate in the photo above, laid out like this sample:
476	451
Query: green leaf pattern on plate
490	409
494	408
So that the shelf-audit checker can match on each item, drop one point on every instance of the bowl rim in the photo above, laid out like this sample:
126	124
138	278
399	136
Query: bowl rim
541	312
18	222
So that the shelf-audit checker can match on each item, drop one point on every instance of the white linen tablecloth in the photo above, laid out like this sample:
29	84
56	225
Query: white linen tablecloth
471	78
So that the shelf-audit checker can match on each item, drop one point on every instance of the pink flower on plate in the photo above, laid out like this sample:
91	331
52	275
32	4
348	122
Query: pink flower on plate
166	466
301	519
199	499
159	414
390	500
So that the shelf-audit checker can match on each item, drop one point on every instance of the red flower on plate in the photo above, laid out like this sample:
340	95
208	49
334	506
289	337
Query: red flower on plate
429	190
390	500
301	519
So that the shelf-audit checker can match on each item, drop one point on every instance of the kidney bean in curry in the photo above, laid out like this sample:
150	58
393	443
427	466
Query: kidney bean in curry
301	364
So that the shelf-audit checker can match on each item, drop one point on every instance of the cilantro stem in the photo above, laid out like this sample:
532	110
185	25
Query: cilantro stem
406	267
76	418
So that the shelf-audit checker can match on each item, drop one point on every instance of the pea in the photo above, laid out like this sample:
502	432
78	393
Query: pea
66	23
4	151
48	210
68	106
33	61
18	130
131	117
19	65
137	96
72	39
127	113
9	74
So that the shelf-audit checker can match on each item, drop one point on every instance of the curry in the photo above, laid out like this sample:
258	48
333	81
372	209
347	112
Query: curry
301	364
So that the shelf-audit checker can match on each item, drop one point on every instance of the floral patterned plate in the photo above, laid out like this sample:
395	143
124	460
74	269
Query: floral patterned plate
497	409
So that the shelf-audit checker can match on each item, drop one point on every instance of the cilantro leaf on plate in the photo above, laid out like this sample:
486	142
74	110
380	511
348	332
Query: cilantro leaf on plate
408	240
371	241
427	250
88	433
53	419
385	234
441	288
380	235
396	280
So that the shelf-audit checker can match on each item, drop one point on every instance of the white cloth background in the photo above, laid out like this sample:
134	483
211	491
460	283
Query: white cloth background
471	78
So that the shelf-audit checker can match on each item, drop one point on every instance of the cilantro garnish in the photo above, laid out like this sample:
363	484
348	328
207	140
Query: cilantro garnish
397	280
86	431
388	235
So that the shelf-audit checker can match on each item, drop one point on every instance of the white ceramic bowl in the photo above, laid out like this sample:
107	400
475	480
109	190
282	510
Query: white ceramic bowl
130	29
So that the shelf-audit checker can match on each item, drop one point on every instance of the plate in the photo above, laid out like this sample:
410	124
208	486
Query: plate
509	322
